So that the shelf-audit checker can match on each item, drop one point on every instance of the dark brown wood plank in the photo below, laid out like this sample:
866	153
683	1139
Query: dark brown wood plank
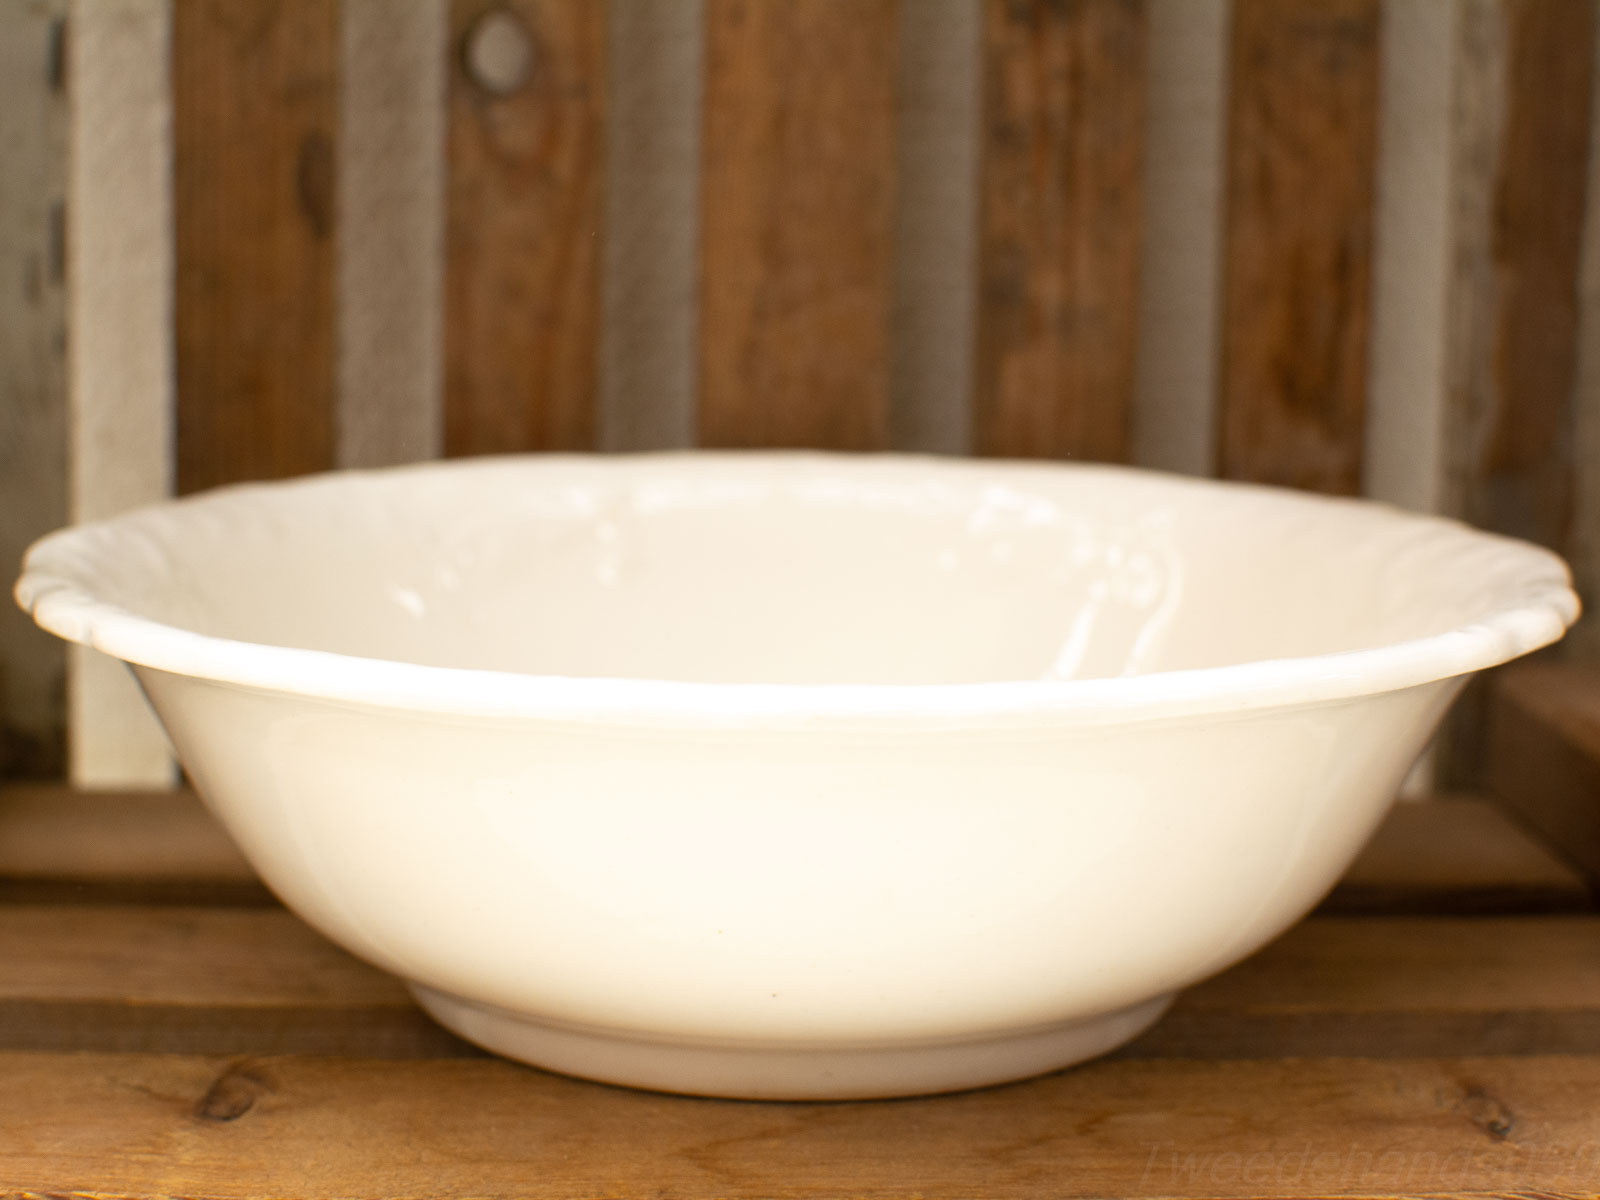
208	980
1522	149
1395	987
526	166
61	846
254	89
1298	244
136	1126
197	981
1544	755
797	199
1063	148
1458	855
1518	423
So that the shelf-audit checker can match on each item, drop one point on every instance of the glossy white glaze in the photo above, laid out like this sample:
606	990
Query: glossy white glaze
742	768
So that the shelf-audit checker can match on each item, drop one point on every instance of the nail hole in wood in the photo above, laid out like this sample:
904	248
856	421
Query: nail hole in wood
498	52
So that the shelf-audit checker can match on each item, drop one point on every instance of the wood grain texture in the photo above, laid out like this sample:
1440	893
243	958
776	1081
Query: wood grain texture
1513	419
135	1126
1301	153
33	391
1459	855
1544	755
1062	158
254	87
525	211
118	847
1583	541
1397	987
175	979
797	202
1522	101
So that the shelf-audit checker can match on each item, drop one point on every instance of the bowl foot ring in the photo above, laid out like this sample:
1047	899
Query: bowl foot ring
778	1073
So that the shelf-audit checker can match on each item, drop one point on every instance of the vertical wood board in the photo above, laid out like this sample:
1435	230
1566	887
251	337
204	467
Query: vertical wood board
1404	453
526	163
390	251
1063	138
120	348
656	78
1583	545
1175	383
1301	152
254	89
933	320
796	213
33	402
1513	453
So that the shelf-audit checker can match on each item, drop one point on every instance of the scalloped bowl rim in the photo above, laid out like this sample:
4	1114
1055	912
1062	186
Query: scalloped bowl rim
62	603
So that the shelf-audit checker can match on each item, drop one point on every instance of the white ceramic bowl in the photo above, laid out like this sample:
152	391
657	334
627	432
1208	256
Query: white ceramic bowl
795	775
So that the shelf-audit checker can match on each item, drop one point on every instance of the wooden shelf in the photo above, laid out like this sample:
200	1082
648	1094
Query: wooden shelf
195	1039
1544	755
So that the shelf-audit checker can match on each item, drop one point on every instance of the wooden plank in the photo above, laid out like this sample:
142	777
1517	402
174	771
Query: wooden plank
390	253
254	89
144	847
1583	541
1439	965
1063	151
1511	450
526	161
656	71
1398	987
1406	426
135	1126
797	203
1180	310
1544	755
1522	99
257	981
1404	454
120	355
33	413
933	324
1458	855
197	981
1302	136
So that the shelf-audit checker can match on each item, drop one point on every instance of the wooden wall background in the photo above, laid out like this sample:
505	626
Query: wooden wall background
1349	245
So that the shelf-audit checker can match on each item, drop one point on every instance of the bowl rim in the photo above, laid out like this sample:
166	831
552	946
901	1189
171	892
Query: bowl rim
52	592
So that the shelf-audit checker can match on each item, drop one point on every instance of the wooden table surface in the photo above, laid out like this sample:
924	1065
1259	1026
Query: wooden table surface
167	1030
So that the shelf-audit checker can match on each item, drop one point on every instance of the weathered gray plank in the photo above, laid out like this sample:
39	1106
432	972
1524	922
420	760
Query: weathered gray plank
649	277
33	401
1177	347
932	323
120	281
393	64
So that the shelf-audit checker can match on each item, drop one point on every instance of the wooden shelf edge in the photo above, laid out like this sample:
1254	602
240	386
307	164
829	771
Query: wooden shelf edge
1544	756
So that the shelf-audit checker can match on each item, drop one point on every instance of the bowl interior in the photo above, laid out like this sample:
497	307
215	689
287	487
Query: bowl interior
795	569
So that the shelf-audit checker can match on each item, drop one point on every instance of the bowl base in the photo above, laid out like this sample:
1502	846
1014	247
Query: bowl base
776	1073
